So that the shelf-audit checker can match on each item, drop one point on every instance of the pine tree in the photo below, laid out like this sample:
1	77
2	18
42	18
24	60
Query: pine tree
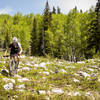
94	30
46	24
58	10
54	10
33	38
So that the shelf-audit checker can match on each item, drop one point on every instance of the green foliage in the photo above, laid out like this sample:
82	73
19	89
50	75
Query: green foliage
73	36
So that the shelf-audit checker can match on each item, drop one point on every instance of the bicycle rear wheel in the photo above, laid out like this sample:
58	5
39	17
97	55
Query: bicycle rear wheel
12	67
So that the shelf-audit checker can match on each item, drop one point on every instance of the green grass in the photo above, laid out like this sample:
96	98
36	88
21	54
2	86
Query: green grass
56	79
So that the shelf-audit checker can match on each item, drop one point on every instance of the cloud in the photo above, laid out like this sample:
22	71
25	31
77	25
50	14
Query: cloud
5	11
67	5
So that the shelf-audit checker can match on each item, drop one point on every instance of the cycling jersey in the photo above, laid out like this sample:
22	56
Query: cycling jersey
14	48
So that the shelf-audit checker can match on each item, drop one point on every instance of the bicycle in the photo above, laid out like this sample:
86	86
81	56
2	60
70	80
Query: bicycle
13	65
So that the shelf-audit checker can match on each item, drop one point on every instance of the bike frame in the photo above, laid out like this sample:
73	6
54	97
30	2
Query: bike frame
13	65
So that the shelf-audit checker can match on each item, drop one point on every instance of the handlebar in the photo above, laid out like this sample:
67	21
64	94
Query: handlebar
6	56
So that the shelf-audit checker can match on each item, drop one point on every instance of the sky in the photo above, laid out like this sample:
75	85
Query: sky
37	6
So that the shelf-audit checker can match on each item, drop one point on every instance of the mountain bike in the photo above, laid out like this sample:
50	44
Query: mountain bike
13	65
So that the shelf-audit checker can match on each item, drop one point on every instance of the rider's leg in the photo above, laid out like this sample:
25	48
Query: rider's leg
10	65
18	59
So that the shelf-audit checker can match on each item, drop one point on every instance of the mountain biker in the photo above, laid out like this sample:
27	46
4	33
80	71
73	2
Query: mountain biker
15	49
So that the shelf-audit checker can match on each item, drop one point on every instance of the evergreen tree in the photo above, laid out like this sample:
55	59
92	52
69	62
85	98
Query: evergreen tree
58	10
94	32
33	38
54	10
46	24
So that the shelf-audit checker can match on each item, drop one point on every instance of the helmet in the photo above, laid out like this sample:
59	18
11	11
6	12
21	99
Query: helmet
14	39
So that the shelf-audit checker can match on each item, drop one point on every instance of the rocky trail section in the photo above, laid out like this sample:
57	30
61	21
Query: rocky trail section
51	79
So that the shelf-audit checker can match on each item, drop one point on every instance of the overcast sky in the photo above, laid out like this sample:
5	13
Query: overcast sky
37	6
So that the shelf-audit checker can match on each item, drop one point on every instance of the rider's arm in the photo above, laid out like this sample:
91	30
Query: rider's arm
6	51
21	50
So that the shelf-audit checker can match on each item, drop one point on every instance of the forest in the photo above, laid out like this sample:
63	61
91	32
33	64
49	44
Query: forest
74	36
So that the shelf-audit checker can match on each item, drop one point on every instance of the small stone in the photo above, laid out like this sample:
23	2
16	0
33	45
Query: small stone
26	68
58	91
42	92
7	80
21	86
90	69
63	71
23	79
75	80
47	73
8	86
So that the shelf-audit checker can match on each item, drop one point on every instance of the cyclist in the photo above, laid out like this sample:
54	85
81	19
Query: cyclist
15	49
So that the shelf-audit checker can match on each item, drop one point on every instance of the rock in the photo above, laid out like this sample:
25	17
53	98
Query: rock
17	76
42	64
22	56
21	90
47	73
36	65
87	94
76	74
19	70
4	62
81	62
95	66
21	86
47	98
15	96
8	86
29	64
31	57
26	68
74	93
84	74
58	91
69	67
4	72
23	79
75	80
52	71
62	70
42	92
93	75
7	80
90	69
